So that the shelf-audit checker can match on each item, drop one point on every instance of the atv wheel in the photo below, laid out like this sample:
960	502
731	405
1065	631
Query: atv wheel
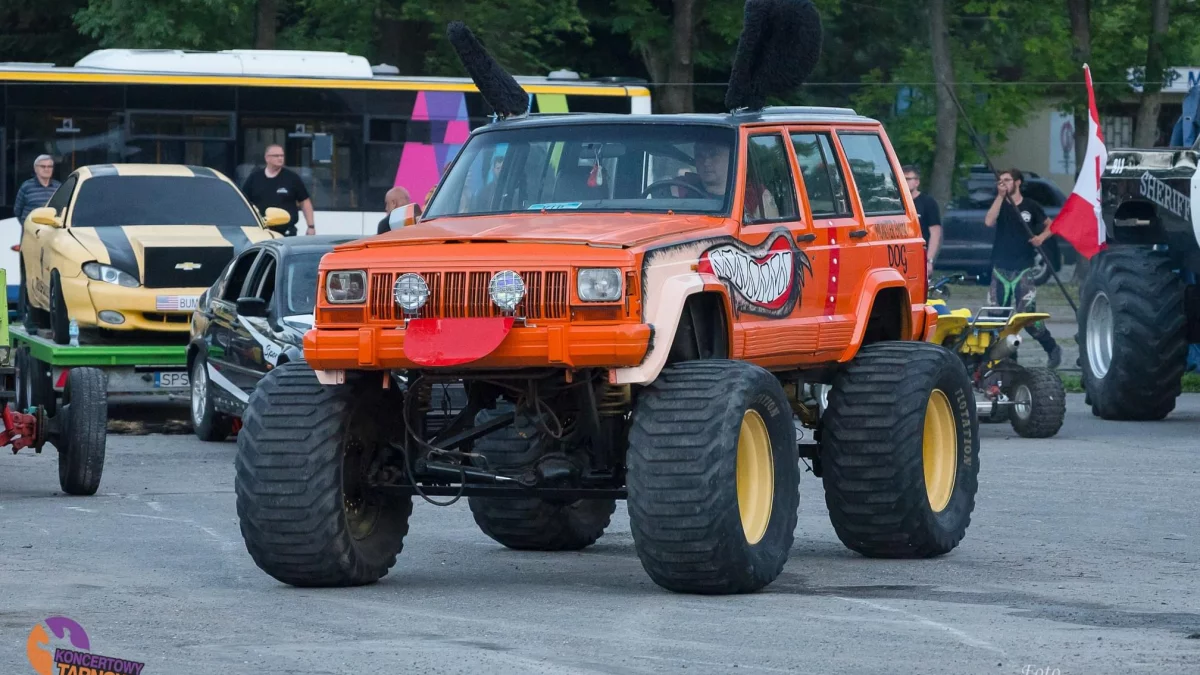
900	451
713	478
303	456
1039	403
60	322
1133	329
533	524
208	424
84	431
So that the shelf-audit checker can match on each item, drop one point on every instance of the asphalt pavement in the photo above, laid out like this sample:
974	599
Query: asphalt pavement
1083	557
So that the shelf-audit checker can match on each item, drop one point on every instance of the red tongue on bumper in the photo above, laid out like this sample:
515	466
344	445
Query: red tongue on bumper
450	342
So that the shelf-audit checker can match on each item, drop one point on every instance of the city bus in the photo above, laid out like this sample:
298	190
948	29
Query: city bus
350	129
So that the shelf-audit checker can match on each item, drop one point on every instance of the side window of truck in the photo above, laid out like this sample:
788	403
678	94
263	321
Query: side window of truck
873	175
822	174
770	191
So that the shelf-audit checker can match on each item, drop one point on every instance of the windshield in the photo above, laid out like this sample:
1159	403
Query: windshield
598	167
301	283
110	201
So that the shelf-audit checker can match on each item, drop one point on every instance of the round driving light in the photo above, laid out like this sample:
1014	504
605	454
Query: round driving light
115	318
411	292
507	289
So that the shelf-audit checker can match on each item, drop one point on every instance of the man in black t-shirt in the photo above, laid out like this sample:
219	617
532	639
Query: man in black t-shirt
929	215
282	188
1012	255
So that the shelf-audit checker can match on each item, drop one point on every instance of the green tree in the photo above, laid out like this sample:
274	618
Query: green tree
44	32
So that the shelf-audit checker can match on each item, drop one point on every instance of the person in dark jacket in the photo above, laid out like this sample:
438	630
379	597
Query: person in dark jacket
35	192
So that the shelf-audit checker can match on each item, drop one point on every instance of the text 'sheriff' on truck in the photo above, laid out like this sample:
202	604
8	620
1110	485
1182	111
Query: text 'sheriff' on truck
639	307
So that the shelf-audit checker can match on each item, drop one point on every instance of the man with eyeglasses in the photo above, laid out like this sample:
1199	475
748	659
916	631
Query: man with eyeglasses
282	188
35	192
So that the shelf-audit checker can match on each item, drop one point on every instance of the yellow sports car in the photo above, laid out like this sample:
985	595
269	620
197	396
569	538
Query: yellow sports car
132	246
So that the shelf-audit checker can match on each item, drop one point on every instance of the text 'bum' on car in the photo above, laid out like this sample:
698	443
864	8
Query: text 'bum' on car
130	247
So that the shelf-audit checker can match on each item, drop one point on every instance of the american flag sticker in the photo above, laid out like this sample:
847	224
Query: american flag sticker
175	303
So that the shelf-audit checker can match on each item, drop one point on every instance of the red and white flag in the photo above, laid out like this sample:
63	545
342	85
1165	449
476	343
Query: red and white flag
1080	221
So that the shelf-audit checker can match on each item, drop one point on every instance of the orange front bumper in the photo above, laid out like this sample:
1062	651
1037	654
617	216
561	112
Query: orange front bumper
566	345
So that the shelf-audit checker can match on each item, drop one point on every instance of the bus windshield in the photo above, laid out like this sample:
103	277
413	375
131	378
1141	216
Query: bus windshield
110	201
597	167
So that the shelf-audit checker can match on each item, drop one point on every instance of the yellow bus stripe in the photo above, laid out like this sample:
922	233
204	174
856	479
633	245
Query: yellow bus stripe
410	85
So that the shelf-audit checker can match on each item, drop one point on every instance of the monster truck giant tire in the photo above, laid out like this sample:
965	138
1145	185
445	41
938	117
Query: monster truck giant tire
900	451
532	524
713	478
296	483
1132	334
84	431
1039	403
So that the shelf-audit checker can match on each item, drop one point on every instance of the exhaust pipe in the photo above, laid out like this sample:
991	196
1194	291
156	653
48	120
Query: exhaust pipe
1005	348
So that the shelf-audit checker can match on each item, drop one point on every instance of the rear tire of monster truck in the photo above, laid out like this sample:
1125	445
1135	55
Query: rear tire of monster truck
1132	334
1039	403
713	478
900	451
305	517
532	524
83	431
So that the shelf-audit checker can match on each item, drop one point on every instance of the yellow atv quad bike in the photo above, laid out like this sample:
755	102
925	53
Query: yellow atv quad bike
1032	399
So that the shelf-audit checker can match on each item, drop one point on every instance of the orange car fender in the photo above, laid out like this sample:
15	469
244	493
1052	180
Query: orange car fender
877	281
663	308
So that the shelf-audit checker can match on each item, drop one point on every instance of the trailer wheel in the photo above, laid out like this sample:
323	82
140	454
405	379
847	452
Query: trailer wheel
35	382
83	432
304	456
208	424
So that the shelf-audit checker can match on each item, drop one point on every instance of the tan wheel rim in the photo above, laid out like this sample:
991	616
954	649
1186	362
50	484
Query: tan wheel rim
939	450
755	476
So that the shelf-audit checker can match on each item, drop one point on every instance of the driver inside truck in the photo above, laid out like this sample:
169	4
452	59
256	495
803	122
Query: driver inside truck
712	175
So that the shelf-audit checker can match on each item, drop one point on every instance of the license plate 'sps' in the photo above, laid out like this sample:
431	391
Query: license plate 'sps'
171	380
176	303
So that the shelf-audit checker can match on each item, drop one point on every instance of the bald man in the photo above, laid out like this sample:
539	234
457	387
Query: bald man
394	199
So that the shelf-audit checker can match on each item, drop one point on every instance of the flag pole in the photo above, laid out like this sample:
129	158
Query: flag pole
1008	198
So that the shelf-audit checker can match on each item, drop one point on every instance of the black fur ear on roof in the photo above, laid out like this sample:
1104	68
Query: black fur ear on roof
498	88
778	50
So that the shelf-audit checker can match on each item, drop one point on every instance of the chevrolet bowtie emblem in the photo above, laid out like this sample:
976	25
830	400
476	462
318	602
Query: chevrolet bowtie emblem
188	266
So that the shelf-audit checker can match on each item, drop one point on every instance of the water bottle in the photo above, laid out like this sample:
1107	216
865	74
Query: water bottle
73	331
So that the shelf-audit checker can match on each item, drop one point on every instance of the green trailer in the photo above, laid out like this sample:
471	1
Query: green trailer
59	394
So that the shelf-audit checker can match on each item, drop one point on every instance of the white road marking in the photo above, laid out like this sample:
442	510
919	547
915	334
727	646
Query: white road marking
77	508
140	515
962	636
154	506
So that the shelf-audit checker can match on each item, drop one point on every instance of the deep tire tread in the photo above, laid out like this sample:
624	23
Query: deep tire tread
1149	334
289	486
1049	404
683	508
872	460
81	457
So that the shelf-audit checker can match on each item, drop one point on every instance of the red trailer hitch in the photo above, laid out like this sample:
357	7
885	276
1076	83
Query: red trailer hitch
23	430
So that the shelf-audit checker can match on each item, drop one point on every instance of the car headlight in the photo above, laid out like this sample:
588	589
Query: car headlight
411	292
507	290
599	284
346	287
109	275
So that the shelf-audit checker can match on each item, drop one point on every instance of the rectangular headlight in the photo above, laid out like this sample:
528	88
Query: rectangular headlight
346	287
599	284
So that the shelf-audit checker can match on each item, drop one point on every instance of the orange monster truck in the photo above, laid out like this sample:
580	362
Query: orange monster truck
635	307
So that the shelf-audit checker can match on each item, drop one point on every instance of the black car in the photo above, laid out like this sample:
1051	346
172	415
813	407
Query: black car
252	319
967	242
